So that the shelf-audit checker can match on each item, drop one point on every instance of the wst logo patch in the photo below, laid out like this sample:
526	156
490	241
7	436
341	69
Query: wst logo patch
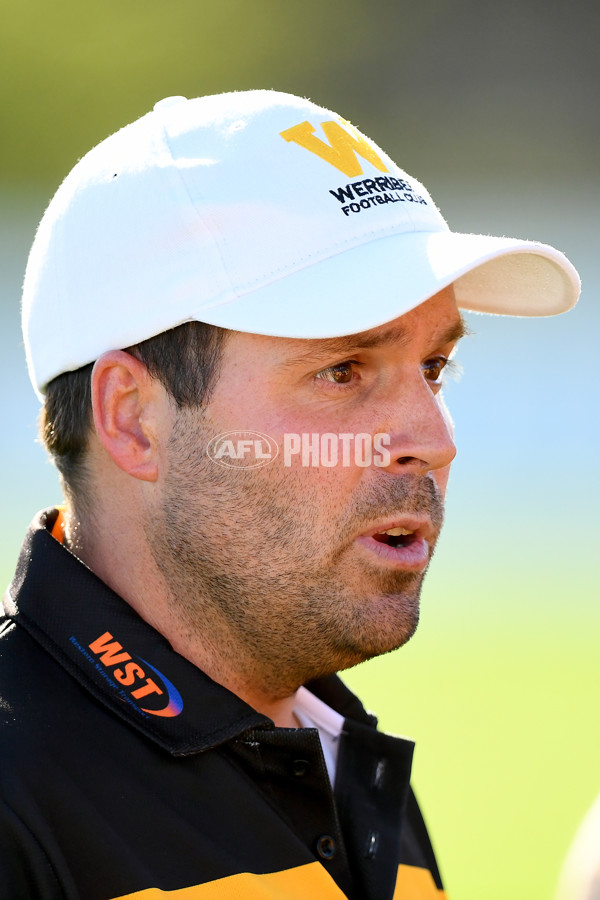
130	675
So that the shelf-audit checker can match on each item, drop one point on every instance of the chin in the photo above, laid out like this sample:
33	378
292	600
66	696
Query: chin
349	650
387	643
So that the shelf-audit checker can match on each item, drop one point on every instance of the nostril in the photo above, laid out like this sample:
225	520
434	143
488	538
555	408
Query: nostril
404	460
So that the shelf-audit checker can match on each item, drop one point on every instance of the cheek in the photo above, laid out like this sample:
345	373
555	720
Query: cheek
322	491
309	470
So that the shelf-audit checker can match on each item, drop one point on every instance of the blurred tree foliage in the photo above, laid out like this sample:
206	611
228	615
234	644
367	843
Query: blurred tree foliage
450	84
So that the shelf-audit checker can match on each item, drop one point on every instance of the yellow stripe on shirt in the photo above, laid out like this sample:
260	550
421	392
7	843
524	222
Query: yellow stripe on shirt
414	883
299	883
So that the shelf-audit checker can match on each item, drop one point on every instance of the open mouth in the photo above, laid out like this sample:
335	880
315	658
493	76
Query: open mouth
399	547
395	537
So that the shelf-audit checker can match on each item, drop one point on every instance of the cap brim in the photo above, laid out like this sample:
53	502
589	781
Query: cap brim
373	283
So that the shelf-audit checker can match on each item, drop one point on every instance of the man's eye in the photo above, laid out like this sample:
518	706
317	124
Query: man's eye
339	374
433	369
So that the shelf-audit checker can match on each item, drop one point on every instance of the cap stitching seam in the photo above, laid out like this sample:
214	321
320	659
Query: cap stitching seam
316	257
310	259
207	230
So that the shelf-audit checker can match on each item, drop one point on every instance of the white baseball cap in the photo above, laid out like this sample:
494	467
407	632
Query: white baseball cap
261	212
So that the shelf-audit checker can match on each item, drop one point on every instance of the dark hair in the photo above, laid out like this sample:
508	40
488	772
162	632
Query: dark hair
186	362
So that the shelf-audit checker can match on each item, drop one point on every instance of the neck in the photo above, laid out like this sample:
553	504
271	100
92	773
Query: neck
120	557
280	711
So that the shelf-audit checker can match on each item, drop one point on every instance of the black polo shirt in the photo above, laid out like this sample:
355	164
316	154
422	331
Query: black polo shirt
126	772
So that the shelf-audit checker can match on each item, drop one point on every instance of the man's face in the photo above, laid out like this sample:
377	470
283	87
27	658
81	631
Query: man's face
287	566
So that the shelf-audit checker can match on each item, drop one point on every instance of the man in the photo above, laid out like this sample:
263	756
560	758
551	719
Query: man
238	310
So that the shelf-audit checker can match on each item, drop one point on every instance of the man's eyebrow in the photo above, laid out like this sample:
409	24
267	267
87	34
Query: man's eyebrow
455	332
367	340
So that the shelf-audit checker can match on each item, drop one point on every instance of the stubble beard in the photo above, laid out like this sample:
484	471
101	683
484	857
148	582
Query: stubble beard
249	579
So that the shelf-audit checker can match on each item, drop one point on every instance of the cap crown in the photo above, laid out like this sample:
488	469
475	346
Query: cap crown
261	212
197	203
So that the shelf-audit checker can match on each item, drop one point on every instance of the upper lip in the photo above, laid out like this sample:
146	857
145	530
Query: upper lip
421	526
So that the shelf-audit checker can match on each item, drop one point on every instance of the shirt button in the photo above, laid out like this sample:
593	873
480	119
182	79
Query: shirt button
300	767
326	847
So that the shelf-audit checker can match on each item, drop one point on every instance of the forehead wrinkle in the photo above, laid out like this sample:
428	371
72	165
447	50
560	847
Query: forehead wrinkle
364	340
367	340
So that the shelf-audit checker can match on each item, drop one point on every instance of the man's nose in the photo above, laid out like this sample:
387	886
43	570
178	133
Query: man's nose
420	431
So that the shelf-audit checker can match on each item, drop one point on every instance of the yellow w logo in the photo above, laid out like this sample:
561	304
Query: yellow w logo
341	151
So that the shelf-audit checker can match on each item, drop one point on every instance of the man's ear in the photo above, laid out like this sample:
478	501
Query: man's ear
127	403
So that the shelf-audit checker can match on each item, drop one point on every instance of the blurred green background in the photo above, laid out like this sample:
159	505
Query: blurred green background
495	107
